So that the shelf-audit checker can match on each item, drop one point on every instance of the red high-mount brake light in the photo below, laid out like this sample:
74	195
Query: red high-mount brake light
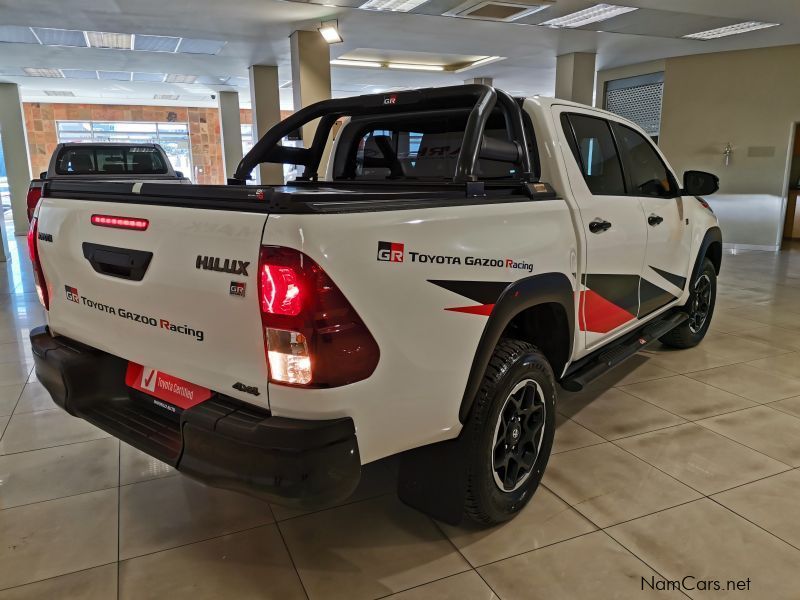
38	273
313	336
34	194
120	222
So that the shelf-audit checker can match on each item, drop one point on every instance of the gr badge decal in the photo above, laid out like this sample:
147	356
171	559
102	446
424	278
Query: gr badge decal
391	252
228	265
72	294
238	288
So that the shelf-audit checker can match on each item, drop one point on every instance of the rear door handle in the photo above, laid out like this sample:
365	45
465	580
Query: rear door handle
654	220
599	226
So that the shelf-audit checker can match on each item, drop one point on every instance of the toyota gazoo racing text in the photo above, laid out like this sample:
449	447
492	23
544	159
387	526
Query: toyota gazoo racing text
424	291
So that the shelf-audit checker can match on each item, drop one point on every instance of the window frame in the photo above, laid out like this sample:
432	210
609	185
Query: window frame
572	139
675	190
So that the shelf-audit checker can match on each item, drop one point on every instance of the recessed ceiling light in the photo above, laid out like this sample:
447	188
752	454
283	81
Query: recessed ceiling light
58	93
191	46
155	43
593	14
60	37
104	39
173	78
340	62
329	30
392	5
412	67
713	34
166	97
37	72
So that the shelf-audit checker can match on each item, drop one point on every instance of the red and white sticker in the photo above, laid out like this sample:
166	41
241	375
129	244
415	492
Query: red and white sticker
165	387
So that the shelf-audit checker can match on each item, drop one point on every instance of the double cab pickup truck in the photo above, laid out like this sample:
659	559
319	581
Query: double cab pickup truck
105	161
424	291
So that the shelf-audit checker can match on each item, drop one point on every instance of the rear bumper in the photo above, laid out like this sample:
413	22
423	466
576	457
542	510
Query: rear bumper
222	442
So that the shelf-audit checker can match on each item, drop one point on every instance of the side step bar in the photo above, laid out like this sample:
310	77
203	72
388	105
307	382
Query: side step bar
591	367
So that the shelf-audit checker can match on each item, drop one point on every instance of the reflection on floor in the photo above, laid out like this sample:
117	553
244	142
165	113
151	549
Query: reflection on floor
677	464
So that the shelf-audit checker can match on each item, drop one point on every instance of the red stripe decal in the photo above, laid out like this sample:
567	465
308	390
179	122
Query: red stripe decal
480	309
599	315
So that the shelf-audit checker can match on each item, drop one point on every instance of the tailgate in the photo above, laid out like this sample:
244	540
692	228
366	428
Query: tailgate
180	296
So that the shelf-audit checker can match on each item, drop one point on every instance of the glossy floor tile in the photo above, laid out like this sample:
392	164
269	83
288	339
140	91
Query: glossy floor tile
674	463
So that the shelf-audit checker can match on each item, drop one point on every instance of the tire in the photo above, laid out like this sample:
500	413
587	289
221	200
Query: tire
700	307
518	382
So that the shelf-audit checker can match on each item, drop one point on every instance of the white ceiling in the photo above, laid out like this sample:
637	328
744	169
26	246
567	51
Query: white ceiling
257	31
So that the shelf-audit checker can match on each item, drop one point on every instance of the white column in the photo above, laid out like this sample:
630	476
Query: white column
231	131
266	105
15	150
575	77
311	74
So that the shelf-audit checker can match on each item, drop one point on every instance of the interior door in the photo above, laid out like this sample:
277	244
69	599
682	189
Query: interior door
668	253
614	226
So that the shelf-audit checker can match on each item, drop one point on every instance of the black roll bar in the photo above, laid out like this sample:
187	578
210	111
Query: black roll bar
481	98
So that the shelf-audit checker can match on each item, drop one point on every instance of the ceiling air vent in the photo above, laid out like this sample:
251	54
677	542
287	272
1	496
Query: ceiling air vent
494	10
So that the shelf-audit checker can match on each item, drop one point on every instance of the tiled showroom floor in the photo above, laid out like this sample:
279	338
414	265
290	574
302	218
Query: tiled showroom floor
680	463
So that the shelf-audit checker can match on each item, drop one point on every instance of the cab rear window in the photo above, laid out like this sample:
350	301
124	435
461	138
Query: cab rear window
110	160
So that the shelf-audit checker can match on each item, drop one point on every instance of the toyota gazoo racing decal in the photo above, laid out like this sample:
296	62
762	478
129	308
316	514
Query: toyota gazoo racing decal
395	252
123	313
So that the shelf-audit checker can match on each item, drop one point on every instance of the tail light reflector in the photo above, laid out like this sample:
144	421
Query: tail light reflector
313	335
120	222
38	273
34	194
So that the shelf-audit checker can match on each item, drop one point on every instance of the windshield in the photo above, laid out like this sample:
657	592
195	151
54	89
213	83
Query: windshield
119	160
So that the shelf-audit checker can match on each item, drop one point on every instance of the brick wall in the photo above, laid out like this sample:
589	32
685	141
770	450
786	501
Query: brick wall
204	130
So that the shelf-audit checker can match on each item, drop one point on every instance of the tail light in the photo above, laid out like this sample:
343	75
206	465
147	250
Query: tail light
38	273
34	194
313	337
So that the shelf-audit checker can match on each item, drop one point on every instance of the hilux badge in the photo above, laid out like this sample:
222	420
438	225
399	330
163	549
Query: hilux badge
228	265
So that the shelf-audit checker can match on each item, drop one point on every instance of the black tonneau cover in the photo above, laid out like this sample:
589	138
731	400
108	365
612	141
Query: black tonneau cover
304	197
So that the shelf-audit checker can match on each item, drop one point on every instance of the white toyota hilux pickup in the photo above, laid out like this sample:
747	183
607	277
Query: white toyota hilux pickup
463	254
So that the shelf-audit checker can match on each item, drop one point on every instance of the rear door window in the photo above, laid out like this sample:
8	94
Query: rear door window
593	146
109	160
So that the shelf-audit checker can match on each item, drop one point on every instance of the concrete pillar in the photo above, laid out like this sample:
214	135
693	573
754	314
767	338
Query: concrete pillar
311	74
575	77
231	130
15	150
480	81
265	101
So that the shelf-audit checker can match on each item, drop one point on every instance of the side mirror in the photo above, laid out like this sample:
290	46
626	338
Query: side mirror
179	174
43	175
699	183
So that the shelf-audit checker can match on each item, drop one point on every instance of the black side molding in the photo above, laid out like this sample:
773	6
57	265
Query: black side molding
520	295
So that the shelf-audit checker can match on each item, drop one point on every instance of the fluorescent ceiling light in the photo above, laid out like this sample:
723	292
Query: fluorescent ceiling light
593	14
339	62
173	78
104	39
115	75
286	84
58	93
392	5
192	46
60	37
713	34
37	72
155	43
153	77
17	35
330	32
410	67
79	74
166	97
